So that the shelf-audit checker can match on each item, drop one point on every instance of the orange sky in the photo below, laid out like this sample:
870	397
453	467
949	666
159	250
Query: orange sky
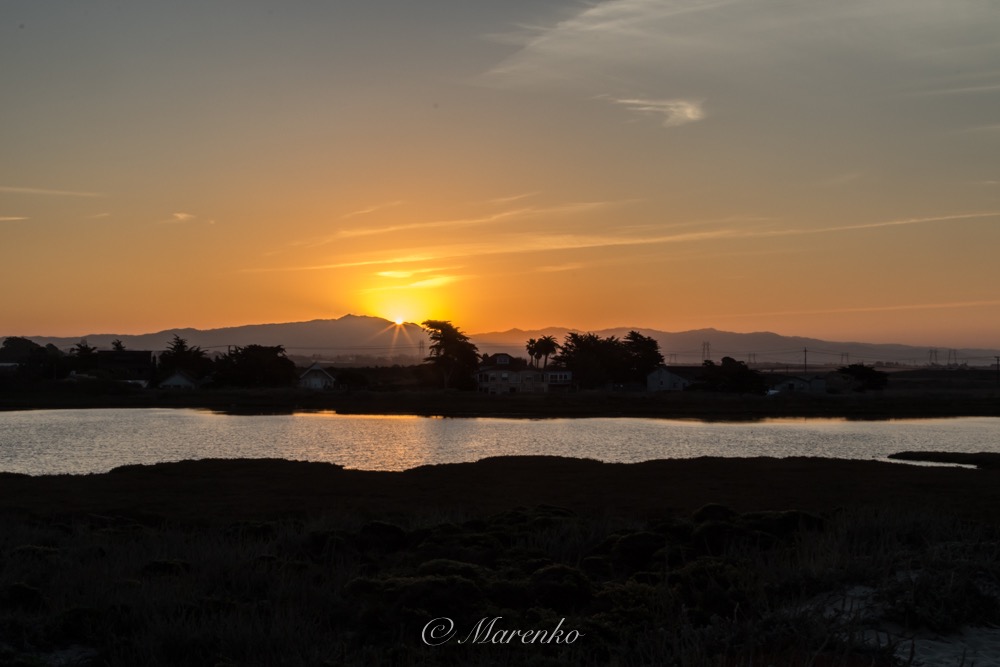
819	169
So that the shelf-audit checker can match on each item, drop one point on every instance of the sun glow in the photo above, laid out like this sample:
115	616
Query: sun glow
405	305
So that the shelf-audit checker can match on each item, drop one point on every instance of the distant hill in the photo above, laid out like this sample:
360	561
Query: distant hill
688	347
354	336
350	335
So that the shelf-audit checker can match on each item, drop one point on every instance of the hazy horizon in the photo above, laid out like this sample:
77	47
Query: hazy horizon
825	170
944	346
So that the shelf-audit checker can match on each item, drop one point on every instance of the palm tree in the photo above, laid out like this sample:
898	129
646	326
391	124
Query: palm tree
545	346
532	347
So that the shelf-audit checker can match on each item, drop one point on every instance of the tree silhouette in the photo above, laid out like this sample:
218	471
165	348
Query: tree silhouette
117	345
19	350
451	351
865	377
83	349
532	348
730	376
592	359
34	361
642	355
546	346
84	355
598	362
255	366
179	356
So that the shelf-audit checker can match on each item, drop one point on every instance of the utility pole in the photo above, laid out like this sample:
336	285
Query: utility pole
998	370
805	360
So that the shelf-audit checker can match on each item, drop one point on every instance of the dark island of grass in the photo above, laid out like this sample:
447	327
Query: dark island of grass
682	562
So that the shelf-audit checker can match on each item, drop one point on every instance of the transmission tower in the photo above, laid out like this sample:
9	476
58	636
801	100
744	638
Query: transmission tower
706	351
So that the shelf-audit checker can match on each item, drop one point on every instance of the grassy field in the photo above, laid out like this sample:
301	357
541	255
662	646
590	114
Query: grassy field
800	562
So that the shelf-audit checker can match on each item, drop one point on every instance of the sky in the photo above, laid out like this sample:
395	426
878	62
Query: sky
815	168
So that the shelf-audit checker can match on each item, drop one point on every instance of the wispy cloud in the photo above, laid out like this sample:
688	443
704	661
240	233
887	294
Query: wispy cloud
613	31
411	272
869	309
557	268
437	224
426	283
551	242
11	218
185	218
674	112
770	65
981	128
961	90
512	198
897	223
13	190
527	211
371	209
380	261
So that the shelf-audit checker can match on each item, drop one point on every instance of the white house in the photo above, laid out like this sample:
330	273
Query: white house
664	379
179	380
315	377
812	384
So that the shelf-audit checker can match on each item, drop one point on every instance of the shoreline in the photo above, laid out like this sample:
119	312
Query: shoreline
687	405
230	489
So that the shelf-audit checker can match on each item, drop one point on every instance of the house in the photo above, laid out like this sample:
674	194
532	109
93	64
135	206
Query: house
498	380
179	380
557	380
316	377
499	376
797	384
671	379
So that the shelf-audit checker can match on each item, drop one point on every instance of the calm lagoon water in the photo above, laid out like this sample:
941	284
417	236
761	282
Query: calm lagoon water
92	441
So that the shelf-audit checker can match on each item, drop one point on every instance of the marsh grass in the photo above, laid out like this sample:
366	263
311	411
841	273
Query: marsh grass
714	589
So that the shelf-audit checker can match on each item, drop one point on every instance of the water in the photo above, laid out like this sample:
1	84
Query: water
94	441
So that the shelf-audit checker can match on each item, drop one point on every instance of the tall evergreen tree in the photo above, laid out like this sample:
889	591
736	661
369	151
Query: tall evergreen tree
451	351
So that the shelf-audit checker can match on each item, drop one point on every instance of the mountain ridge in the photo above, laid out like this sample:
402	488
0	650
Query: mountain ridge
364	335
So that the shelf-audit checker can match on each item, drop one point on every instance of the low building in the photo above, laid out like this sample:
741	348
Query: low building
501	379
179	380
316	377
667	379
797	384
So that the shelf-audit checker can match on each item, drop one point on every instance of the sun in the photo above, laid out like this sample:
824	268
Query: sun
398	321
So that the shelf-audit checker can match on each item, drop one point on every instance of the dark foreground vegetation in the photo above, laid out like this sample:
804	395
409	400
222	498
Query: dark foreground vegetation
700	562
